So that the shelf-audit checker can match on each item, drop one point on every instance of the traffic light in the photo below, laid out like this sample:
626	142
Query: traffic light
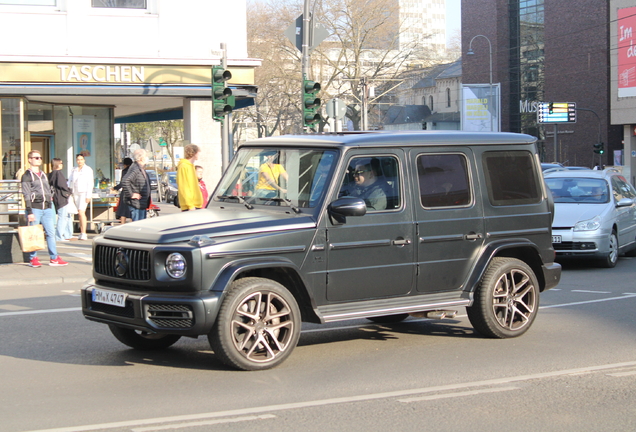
599	148
311	103
220	93
551	108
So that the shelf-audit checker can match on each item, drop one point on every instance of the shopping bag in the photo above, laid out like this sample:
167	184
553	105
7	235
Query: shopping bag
71	208
31	238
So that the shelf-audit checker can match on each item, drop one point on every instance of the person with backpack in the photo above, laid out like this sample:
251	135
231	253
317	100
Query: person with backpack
38	199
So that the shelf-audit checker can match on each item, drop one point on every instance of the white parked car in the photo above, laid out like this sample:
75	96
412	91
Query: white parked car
594	215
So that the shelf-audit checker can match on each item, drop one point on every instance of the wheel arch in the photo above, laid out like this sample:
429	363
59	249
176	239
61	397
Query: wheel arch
521	249
280	270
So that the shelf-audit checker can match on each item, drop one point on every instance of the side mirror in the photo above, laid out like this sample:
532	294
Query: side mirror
625	202
346	206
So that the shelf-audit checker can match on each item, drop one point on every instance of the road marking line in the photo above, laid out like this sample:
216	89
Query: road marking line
458	394
622	374
592	292
335	401
588	301
204	423
41	311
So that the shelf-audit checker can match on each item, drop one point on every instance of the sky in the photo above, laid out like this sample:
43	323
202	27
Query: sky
453	17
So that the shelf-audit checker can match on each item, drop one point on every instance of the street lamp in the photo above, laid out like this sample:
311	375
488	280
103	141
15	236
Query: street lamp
471	52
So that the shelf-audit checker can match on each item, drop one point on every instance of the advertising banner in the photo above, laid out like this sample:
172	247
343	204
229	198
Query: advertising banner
480	108
83	137
626	52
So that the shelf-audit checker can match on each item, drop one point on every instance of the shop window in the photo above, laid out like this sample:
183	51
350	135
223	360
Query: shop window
10	137
119	4
39	118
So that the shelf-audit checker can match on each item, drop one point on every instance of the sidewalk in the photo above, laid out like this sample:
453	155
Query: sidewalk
78	254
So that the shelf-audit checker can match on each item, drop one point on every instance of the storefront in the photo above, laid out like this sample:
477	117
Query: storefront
65	109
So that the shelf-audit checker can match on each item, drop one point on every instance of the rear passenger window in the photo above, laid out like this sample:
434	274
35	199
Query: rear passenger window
511	178
443	180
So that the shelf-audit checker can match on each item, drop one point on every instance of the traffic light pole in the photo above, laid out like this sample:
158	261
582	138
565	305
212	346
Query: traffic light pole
225	147
305	57
600	156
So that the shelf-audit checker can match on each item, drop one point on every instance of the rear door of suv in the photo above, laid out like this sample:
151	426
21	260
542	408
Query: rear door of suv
448	215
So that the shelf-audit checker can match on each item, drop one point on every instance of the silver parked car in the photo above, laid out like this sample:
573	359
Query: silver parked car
595	214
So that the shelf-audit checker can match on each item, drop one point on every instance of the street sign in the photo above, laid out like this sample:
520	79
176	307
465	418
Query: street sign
556	112
295	34
336	108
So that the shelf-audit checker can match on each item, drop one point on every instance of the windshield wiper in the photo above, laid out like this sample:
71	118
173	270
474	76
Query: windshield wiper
288	202
236	197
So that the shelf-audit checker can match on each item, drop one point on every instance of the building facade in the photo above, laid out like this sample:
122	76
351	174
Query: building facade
547	51
75	68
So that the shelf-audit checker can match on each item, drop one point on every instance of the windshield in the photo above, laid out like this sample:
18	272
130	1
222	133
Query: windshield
569	190
285	177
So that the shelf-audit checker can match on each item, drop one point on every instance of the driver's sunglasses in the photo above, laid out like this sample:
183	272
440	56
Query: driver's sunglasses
359	172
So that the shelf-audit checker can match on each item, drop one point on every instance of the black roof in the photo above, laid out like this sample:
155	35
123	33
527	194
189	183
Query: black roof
392	138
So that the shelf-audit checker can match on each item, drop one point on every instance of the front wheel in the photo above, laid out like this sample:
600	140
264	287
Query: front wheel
610	260
506	300
258	325
142	340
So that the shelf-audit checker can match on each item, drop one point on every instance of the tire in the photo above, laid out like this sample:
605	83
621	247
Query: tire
143	341
506	301
388	319
258	325
611	259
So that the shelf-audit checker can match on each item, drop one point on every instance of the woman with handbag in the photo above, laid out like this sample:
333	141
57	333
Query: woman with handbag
38	199
61	195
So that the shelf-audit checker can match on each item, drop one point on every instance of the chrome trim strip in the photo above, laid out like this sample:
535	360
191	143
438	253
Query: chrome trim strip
517	232
431	239
394	310
267	251
353	245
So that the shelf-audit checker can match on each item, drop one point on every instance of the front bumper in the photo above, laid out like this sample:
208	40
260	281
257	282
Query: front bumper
163	313
581	243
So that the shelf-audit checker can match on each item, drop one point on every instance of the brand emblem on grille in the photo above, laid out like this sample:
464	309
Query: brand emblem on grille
121	262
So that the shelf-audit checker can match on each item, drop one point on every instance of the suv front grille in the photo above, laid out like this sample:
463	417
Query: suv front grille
170	315
122	263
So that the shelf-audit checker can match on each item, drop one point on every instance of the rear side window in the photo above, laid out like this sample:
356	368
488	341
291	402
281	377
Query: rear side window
443	180
511	178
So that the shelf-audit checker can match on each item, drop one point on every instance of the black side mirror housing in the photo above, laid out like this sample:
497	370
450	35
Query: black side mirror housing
346	206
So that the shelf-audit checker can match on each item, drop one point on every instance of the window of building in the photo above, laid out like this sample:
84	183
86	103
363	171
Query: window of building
119	4
430	102
443	180
448	98
511	178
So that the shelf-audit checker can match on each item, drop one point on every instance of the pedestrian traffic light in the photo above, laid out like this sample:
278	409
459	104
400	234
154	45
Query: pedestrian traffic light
220	93
311	103
599	148
551	108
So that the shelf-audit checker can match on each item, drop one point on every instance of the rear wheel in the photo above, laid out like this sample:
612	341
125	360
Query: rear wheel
258	325
141	340
506	300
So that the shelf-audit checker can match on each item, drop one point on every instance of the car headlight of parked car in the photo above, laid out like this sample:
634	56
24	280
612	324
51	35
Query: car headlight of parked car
176	265
588	225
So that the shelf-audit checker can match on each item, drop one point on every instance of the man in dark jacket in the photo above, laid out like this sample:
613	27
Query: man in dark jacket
38	199
61	196
136	186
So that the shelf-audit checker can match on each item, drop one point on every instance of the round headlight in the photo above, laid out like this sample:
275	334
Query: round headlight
176	265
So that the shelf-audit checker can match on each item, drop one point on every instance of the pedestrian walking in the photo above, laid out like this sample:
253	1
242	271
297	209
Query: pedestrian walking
189	193
123	210
136	186
61	196
81	182
38	199
202	186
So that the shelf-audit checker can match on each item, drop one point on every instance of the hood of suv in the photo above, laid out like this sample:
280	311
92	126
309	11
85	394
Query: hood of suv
214	223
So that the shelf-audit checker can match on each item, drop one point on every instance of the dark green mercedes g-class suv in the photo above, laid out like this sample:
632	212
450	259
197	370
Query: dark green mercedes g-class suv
321	228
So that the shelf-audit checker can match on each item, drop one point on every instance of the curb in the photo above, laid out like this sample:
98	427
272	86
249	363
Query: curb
44	281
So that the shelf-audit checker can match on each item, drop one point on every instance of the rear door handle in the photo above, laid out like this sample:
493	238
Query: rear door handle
403	242
473	236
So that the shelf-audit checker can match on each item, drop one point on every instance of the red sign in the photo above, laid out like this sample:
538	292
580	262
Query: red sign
626	52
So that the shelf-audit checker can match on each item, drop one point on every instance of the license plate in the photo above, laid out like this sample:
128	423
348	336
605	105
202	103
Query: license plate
109	297
556	239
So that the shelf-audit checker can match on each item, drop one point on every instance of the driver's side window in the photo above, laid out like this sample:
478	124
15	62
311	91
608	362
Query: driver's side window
375	179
